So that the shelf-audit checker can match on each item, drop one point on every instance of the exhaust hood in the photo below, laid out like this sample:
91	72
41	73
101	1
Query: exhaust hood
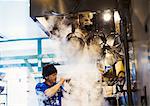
60	7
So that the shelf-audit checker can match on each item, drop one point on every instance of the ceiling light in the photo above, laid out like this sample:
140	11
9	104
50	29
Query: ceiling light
107	15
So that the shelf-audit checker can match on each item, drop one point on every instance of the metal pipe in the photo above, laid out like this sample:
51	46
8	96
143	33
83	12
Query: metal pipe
124	10
39	44
126	60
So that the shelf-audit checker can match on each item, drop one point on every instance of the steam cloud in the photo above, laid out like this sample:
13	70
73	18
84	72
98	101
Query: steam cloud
84	89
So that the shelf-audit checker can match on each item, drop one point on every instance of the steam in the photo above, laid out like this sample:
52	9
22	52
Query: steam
59	27
31	84
84	89
85	86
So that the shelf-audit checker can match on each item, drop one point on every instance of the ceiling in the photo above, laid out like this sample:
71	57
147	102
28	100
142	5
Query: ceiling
15	21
